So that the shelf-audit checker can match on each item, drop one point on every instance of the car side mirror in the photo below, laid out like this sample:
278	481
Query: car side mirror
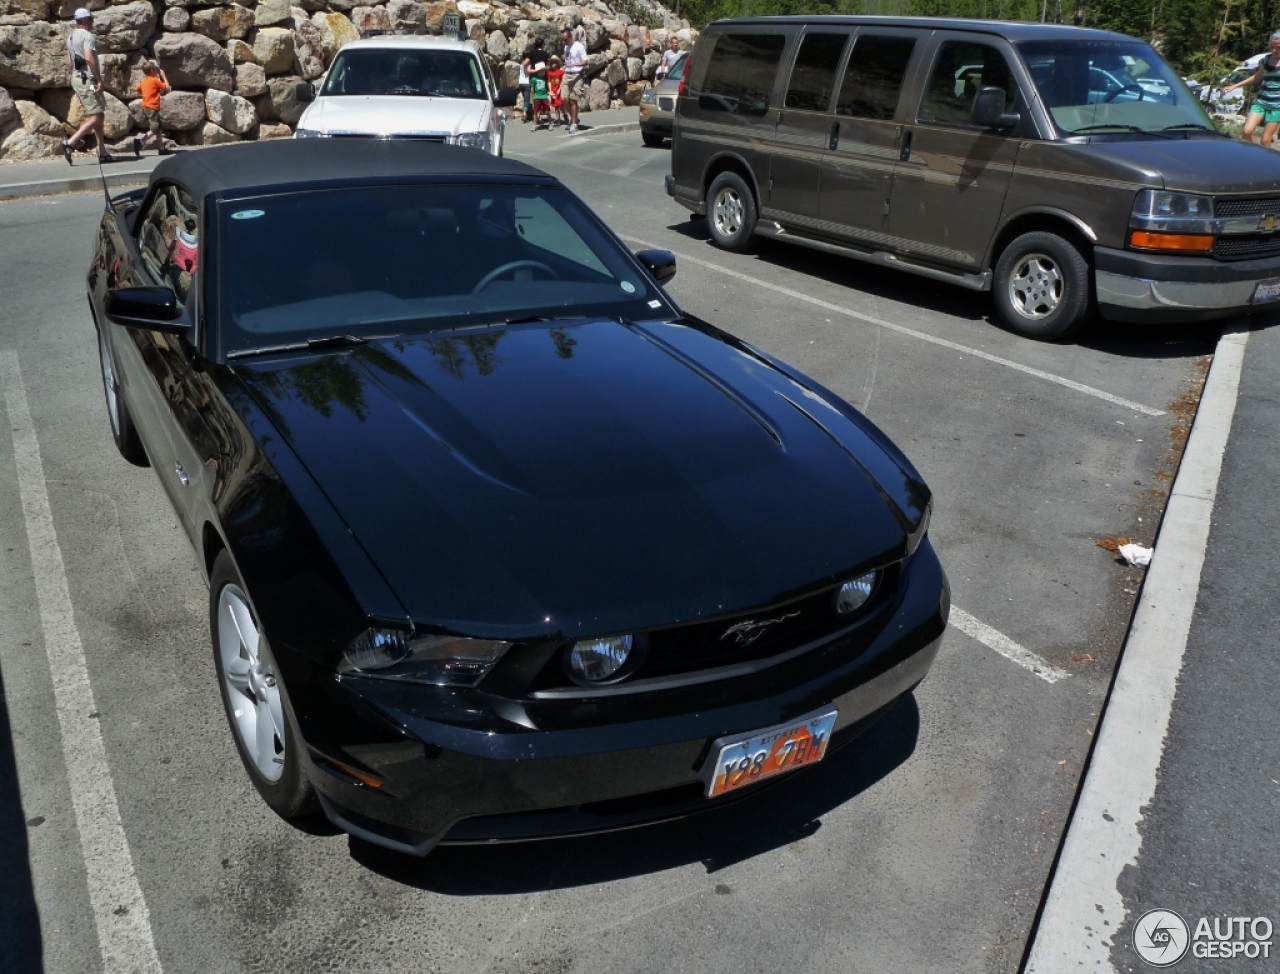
507	97
988	110
149	308
660	263
305	92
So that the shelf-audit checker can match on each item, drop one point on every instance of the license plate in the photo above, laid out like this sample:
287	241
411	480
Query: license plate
1266	292
748	758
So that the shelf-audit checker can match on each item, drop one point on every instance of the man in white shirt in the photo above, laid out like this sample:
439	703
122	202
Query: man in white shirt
574	87
669	58
86	81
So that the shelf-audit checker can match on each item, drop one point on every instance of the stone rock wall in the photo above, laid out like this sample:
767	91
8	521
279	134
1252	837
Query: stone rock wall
234	65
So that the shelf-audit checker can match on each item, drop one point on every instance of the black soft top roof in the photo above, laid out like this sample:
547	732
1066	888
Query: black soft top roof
281	163
1013	30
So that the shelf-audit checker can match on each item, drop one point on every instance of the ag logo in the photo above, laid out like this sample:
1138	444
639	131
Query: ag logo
1161	937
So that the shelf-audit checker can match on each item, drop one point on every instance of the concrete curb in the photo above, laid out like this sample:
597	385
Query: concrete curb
612	129
1083	908
74	184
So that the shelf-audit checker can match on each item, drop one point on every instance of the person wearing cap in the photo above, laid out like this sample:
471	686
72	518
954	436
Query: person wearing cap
1266	104
86	81
574	86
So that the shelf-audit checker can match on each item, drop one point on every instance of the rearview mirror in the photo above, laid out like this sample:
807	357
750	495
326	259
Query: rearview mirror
660	263
507	97
150	308
305	92
988	110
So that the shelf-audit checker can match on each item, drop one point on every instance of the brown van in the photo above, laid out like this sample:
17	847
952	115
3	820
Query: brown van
1061	168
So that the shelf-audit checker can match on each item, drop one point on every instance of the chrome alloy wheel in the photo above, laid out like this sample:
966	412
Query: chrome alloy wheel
727	211
109	384
1035	287
252	688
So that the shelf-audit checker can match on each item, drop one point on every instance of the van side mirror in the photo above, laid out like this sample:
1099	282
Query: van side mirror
988	110
660	263
305	92
506	97
149	308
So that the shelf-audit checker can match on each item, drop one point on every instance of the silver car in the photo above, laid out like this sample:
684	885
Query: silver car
658	105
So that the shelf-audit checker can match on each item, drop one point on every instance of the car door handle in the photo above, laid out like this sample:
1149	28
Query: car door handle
834	140
905	152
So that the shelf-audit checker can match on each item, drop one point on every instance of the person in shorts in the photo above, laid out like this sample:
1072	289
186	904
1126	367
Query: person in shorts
574	87
86	82
152	88
555	78
1265	109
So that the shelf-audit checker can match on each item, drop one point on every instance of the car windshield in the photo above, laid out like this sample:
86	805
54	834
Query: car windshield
401	71
1111	86
403	259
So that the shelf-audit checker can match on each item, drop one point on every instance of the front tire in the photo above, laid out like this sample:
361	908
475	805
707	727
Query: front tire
731	212
123	431
253	694
651	139
1042	287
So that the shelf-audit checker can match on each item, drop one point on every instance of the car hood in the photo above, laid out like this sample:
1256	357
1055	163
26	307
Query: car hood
396	115
1197	165
585	479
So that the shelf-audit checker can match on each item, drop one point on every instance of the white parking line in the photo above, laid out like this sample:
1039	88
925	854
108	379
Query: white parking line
1006	647
1084	907
119	909
911	332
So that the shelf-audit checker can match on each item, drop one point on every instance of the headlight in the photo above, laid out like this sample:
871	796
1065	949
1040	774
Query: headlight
473	140
309	134
597	661
1172	212
649	96
853	594
446	661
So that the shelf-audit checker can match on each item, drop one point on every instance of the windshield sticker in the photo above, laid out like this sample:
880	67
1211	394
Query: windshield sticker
655	304
248	214
628	287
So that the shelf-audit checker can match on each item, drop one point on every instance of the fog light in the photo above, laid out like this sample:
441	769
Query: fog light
854	593
599	660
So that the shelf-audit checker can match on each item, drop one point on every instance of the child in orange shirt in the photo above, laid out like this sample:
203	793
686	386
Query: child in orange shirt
152	87
555	75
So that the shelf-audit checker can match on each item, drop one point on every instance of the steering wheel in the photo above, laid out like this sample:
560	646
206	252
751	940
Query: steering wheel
1112	96
514	265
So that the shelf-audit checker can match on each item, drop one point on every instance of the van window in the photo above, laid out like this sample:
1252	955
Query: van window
873	80
741	72
813	78
962	69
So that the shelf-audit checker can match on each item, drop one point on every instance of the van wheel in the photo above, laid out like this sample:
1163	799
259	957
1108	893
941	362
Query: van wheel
731	214
1042	287
652	139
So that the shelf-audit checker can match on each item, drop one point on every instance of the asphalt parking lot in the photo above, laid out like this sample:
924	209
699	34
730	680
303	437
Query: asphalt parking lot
925	847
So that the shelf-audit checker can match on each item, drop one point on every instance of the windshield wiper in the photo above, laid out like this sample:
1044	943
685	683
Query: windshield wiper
1108	125
1188	125
527	319
310	345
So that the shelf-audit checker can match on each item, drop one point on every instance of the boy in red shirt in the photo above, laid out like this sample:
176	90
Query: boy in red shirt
152	87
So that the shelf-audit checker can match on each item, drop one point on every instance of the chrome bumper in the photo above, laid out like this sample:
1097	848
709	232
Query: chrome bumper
1136	292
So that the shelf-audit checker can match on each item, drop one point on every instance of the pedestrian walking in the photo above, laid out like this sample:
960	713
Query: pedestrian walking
669	58
86	82
573	88
1266	104
152	88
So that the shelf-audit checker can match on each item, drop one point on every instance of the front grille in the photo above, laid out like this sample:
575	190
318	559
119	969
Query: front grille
420	137
1246	206
1245	246
667	104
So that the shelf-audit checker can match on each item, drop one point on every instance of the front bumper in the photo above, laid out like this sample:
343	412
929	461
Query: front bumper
1146	287
600	763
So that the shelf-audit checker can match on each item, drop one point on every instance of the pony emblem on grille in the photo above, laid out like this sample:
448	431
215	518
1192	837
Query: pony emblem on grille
747	632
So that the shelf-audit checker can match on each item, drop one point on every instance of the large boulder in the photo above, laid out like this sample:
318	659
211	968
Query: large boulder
635	69
650	65
223	23
598	96
194	61
282	93
36	119
124	28
406	14
637	40
251	80
271	12
176	19
566	16
277	130
8	110
497	46
308	49
273	49
596	37
475	31
116	120
181	111
19	12
336	31
240	52
212	134
473	9
509	74
231	112
435	12
34	56
23	146
370	18
122	73
527	31
616	73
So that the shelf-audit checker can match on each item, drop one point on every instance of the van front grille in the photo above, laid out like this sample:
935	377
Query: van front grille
1234	206
1244	247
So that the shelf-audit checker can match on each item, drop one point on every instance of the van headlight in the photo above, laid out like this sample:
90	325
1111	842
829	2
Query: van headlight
1164	212
473	140
397	654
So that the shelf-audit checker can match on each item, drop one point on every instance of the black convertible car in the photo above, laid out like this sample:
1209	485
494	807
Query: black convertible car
500	543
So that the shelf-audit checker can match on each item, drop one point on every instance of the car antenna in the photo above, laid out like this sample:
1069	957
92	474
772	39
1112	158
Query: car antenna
101	172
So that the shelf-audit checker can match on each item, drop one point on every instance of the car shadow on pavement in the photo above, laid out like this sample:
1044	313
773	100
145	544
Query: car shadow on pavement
719	837
20	946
